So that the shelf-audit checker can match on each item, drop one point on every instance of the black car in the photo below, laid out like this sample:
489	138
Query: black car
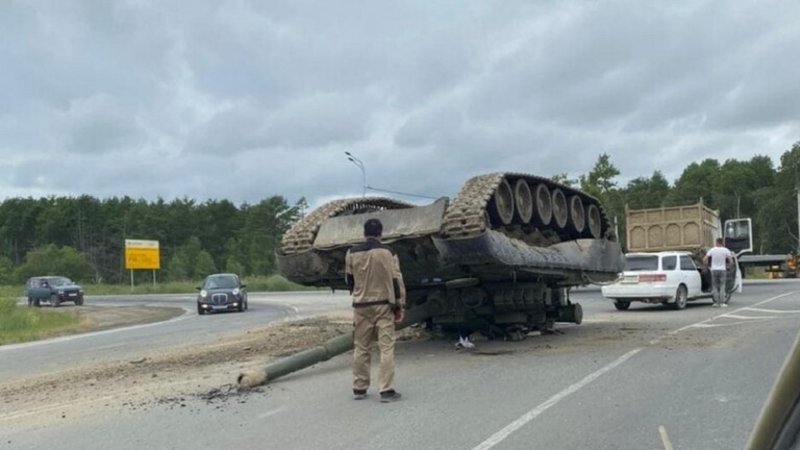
222	292
52	289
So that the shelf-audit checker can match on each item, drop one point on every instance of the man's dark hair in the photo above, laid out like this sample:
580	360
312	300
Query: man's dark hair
373	228
719	241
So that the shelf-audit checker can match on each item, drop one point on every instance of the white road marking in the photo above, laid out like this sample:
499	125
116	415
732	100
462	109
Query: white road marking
552	401
95	333
736	316
743	308
264	415
775	311
718	325
295	309
665	438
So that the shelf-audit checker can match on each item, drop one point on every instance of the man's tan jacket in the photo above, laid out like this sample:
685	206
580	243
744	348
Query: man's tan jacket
372	271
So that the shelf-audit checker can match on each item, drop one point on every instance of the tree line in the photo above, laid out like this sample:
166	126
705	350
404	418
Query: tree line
83	237
738	189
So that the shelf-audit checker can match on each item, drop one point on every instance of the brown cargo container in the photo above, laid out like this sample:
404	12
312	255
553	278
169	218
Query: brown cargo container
691	228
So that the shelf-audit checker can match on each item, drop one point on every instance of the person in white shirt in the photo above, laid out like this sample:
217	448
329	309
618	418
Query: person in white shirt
719	257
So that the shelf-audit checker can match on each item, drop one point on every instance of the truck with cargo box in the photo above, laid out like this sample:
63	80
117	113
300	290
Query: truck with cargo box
671	232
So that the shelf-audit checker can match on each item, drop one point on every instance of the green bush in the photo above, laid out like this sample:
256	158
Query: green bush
52	260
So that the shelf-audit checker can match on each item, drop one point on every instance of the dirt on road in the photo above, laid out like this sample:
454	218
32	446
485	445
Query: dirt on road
203	376
169	377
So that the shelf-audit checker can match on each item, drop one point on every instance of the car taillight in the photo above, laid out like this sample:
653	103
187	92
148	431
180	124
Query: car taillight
652	277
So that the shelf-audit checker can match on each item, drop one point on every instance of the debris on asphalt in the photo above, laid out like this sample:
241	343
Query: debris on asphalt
464	344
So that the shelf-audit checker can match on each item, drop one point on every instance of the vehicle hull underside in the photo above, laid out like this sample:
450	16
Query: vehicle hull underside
486	281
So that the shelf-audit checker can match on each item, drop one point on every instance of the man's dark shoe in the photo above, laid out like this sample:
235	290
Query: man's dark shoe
390	396
359	394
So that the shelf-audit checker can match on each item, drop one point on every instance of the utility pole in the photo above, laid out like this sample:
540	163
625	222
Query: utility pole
738	204
797	192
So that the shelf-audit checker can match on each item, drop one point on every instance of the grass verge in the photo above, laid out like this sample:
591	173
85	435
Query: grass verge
21	324
273	283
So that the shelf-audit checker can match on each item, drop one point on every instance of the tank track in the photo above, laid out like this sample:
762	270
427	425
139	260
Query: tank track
301	235
467	215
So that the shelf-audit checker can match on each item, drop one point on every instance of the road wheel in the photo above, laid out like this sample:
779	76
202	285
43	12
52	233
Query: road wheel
55	301
200	310
30	302
79	301
37	303
240	308
246	305
622	306
680	298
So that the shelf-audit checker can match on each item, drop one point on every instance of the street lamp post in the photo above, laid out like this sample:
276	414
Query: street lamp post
797	192
360	165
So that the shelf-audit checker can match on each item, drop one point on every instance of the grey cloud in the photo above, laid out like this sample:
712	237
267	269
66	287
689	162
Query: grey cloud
270	94
97	125
314	120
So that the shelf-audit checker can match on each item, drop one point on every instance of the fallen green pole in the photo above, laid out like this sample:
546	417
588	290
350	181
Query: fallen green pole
330	348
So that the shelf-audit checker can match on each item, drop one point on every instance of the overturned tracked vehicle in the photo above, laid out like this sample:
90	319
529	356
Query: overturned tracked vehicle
500	257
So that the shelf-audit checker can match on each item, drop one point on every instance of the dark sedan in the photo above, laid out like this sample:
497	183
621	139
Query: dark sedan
222	292
54	290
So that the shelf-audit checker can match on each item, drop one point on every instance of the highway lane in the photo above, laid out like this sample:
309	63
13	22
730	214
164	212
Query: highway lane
20	360
702	374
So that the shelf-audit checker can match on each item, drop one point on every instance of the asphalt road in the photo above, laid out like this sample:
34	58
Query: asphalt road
700	376
20	360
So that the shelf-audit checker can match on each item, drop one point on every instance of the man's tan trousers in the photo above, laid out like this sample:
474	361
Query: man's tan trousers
370	322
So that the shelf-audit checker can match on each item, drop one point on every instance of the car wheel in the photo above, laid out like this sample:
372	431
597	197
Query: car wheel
680	298
37	303
622	306
30	302
79	301
200	310
55	301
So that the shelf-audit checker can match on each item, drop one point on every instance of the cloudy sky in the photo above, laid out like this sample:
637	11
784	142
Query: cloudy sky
243	100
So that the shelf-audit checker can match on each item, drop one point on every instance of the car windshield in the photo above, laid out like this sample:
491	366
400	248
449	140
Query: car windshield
221	282
640	263
58	281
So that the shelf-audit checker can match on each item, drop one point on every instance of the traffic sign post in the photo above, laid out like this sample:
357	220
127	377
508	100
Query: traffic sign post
142	254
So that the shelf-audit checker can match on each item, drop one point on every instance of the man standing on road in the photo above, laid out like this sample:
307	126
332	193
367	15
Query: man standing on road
373	276
719	256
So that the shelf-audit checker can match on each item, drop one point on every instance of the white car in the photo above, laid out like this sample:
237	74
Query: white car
666	277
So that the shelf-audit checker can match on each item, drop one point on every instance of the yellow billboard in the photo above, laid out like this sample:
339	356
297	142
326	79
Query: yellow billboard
141	254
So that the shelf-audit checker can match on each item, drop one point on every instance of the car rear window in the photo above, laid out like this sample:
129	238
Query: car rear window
640	263
669	262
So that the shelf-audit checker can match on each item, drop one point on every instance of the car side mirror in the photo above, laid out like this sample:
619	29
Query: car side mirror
244	285
199	288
